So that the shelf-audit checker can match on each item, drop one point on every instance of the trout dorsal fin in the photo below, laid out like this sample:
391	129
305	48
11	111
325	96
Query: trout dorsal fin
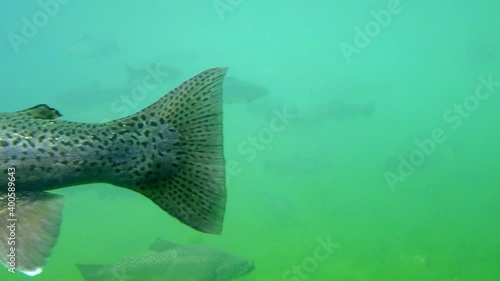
162	245
41	111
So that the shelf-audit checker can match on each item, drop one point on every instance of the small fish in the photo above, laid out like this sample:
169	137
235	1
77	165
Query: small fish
88	47
151	73
170	261
239	91
171	152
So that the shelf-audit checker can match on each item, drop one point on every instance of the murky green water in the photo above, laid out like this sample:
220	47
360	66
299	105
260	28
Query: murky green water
374	155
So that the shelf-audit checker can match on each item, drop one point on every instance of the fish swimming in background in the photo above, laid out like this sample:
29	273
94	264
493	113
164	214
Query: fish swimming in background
88	47
171	152
153	72
240	91
170	261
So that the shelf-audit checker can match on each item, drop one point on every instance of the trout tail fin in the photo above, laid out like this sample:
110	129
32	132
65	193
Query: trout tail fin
178	160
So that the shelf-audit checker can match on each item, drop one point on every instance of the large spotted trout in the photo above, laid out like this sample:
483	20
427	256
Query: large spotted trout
171	152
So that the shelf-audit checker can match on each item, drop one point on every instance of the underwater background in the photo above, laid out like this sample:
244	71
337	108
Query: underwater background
373	125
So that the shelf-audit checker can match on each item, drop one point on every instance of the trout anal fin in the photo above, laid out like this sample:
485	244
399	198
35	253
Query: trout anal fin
36	230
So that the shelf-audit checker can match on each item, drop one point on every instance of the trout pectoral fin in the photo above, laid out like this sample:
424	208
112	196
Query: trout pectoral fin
34	232
41	111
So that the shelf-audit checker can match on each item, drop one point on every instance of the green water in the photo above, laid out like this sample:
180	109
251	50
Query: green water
408	193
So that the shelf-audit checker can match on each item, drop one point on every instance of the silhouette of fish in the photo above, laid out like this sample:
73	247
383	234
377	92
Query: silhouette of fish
171	152
88	47
151	73
240	91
